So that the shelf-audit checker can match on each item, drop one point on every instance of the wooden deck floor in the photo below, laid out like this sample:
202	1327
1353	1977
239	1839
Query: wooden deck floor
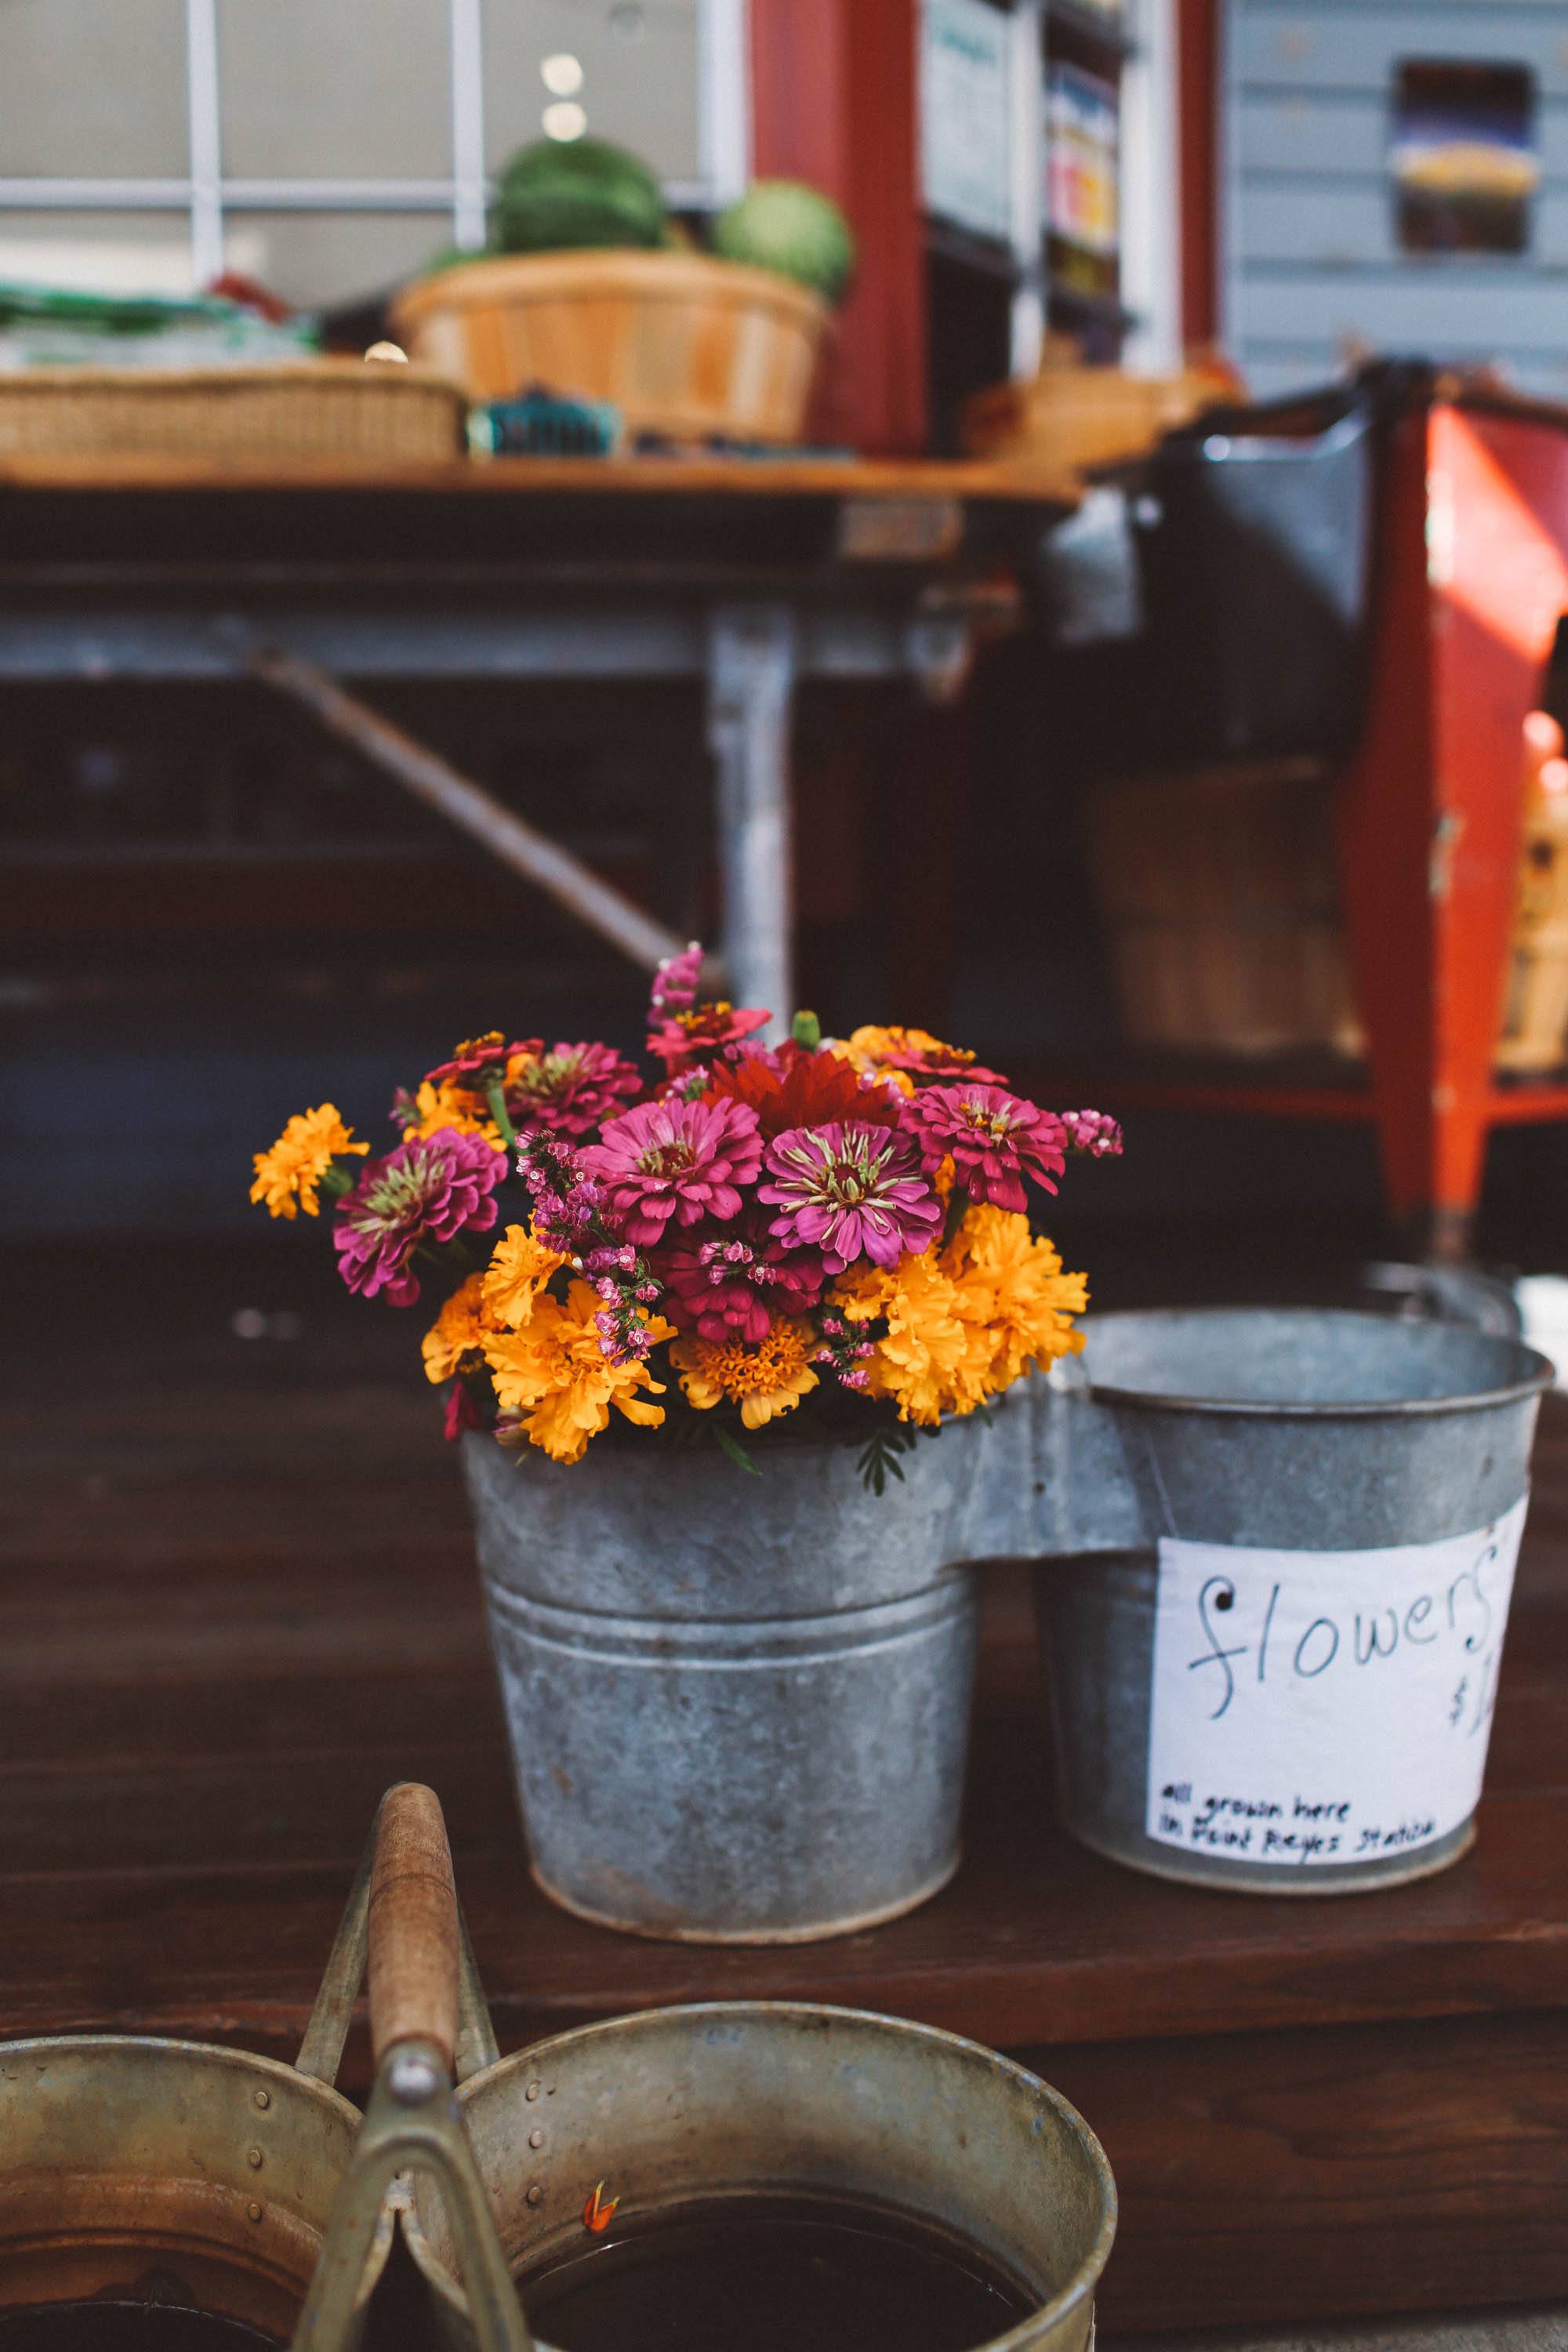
237	1599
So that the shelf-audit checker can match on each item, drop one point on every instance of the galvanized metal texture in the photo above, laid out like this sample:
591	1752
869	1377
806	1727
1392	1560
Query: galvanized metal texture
1305	1430
738	1707
125	2159
767	2098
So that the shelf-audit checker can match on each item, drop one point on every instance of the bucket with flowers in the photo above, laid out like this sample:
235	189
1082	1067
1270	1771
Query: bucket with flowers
737	1647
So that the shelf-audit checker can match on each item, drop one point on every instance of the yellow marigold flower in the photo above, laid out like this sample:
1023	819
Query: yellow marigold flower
1013	1294
449	1106
554	1372
764	1377
519	1269
457	1331
925	1362
287	1176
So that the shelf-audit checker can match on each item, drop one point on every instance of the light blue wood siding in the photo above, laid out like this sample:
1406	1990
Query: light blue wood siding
1311	258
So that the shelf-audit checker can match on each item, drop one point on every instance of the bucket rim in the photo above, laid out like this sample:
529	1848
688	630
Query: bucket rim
1540	1375
1086	2274
114	2045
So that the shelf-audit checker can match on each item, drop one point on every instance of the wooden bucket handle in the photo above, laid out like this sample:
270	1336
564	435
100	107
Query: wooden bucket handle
403	1928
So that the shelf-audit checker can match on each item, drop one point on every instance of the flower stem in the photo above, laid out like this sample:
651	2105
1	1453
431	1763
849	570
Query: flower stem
496	1097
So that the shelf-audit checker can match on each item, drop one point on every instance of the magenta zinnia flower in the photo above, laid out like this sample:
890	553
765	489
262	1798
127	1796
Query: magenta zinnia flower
993	1138
704	1033
570	1088
732	1285
673	1163
427	1190
851	1192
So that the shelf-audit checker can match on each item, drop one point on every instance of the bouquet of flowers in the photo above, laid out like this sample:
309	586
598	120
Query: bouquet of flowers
834	1230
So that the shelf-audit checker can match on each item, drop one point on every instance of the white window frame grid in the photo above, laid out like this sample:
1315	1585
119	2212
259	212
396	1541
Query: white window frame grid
208	198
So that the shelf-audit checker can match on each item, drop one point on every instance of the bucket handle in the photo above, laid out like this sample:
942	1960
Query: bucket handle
406	1810
403	1928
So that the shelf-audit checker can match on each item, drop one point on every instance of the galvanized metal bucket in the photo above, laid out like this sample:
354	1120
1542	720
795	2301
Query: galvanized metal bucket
1276	1550
738	1706
747	2099
172	2173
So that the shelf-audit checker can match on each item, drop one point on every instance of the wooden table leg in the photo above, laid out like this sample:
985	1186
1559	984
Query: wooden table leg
1473	523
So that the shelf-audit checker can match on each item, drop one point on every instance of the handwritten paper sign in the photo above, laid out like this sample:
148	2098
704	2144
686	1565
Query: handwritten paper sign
1315	1707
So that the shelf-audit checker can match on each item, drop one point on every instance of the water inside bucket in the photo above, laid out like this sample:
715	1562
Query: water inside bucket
107	2325
772	2275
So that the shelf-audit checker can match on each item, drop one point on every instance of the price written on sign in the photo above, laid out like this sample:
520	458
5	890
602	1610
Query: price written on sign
1314	1708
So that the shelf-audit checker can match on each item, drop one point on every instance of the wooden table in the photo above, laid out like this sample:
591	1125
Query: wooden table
237	1600
747	577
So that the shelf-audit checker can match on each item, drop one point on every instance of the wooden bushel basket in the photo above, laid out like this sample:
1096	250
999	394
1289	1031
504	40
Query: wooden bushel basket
683	345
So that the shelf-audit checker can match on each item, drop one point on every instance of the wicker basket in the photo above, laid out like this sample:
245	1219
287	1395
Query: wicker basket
683	345
1218	893
1071	415
312	409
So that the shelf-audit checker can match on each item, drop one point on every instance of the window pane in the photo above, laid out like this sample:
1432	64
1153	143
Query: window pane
351	90
92	89
638	61
319	259
97	253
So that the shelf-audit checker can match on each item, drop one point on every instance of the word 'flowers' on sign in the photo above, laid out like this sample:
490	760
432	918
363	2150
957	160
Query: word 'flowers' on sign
1324	1708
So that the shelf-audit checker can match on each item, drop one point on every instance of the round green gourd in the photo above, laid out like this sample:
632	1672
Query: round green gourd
576	193
784	226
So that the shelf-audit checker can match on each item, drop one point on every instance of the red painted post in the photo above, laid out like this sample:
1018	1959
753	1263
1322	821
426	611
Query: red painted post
835	102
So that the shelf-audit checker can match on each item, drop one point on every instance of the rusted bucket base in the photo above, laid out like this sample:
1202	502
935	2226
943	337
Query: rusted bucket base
818	1933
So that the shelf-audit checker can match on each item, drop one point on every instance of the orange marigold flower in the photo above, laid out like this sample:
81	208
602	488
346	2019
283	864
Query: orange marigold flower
764	1377
555	1376
457	1333
446	1104
287	1176
1013	1295
519	1269
923	1361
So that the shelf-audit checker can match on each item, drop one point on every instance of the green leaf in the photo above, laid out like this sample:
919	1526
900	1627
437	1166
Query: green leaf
807	1030
737	1454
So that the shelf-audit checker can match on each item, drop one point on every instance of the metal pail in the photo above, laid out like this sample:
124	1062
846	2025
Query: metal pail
176	2173
738	1706
1279	1547
749	2098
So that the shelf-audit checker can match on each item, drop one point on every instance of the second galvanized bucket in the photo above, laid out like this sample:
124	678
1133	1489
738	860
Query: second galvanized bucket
741	2100
738	1706
1281	1547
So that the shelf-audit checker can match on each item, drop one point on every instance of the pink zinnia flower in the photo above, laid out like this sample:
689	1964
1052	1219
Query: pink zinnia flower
479	1062
427	1190
570	1088
993	1138
673	1163
850	1191
732	1285
704	1033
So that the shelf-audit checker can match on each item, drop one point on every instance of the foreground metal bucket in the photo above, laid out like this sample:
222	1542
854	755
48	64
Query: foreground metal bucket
738	1706
1278	1556
744	2098
166	2171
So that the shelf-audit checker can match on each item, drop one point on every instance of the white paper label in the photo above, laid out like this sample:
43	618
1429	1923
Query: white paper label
1315	1707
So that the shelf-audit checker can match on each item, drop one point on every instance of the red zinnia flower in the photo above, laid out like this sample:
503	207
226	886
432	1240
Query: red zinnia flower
793	1087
